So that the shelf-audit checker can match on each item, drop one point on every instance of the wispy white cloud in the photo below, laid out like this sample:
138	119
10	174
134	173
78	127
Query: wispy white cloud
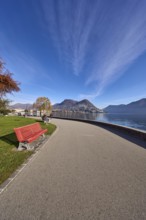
70	25
105	36
120	47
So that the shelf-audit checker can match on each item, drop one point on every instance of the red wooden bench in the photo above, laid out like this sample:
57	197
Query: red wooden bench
28	134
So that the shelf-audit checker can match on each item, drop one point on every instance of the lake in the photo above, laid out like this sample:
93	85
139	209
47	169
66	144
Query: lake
128	120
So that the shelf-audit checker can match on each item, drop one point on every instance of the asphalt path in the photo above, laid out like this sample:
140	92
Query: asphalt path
83	172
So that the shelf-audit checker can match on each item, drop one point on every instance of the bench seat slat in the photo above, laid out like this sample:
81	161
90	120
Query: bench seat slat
36	135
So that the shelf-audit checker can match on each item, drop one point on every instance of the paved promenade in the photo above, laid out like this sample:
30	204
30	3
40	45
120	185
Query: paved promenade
83	172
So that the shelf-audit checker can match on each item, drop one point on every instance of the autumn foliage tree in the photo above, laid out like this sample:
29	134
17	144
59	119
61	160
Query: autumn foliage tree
7	83
42	104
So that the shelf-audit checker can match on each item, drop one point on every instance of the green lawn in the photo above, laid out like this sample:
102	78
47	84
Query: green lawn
10	158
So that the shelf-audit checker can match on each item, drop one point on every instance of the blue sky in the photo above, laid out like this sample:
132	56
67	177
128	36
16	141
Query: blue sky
75	49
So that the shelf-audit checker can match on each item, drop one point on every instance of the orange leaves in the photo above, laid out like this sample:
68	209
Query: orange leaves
7	83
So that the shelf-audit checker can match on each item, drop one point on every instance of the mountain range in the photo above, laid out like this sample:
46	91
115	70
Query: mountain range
21	106
67	104
138	107
72	105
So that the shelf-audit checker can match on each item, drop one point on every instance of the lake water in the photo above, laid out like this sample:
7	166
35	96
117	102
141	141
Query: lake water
129	120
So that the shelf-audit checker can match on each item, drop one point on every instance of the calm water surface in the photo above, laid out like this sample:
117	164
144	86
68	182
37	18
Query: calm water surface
129	120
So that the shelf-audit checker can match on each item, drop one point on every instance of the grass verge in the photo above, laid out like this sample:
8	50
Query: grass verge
10	158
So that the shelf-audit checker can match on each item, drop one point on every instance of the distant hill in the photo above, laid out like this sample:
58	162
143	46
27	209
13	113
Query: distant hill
21	106
72	105
138	107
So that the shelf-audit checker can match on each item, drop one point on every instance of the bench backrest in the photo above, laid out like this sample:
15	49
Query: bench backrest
27	131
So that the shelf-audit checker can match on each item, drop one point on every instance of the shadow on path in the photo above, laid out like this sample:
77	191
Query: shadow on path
127	136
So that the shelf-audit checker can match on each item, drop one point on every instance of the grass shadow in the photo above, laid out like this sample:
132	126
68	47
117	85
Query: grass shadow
10	139
39	120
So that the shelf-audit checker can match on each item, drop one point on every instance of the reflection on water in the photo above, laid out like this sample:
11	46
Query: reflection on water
129	120
74	115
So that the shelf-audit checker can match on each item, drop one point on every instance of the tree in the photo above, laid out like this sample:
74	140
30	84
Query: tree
7	83
26	111
13	111
42	104
4	103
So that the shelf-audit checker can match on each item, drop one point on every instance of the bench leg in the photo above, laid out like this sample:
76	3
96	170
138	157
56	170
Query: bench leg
21	147
24	145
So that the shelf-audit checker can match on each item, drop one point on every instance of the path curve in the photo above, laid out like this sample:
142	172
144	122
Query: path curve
83	172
